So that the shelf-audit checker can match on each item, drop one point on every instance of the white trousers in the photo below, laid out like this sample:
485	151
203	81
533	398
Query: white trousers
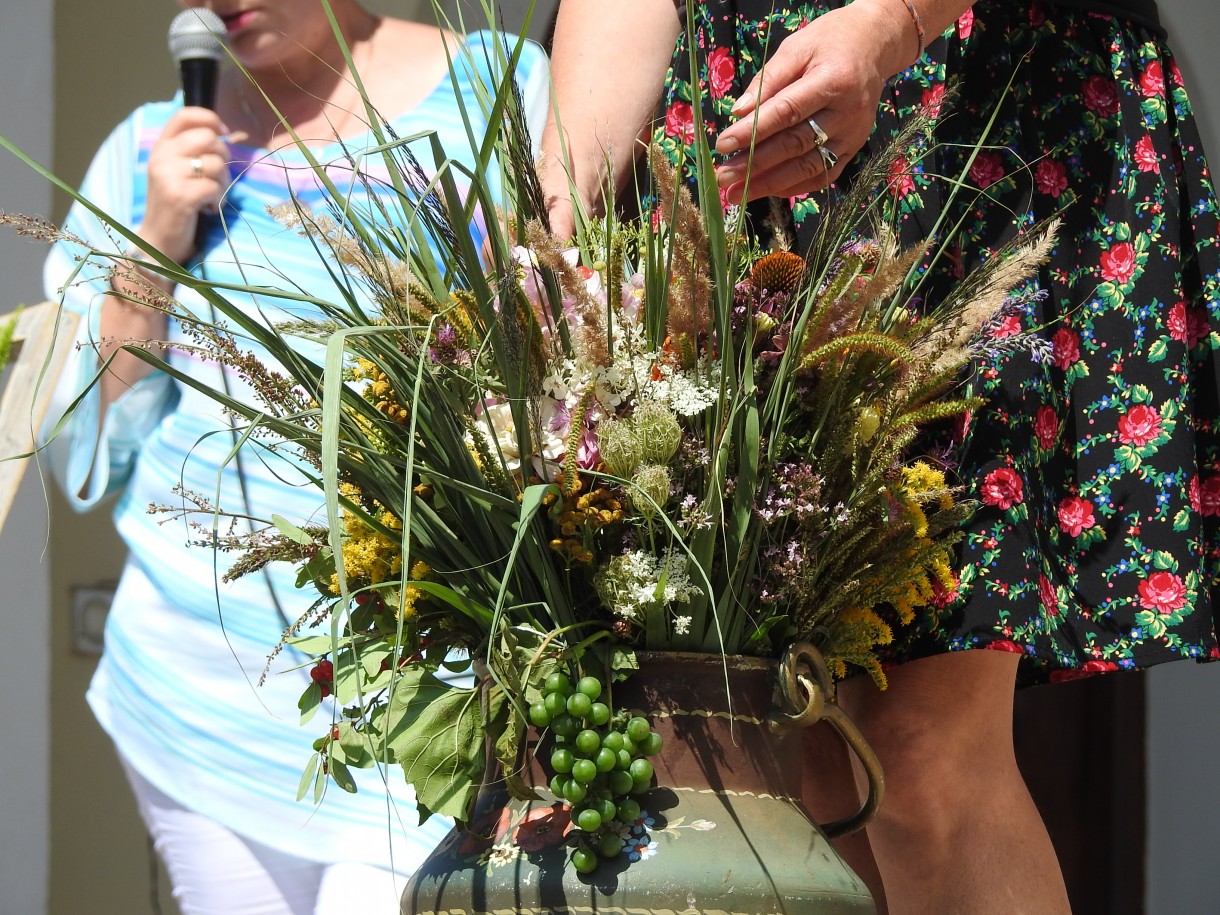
214	871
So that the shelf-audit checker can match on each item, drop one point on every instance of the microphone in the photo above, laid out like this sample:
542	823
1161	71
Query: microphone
196	41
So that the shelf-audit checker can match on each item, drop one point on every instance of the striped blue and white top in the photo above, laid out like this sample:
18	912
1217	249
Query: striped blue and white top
176	686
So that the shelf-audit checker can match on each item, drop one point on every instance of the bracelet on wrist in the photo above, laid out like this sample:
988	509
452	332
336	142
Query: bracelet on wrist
917	22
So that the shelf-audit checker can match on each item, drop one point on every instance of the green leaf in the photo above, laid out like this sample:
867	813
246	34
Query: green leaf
1151	623
1154	109
290	530
1127	457
1158	350
355	744
311	771
436	734
1109	293
1139	394
319	785
342	776
348	678
1164	561
316	645
317	571
309	701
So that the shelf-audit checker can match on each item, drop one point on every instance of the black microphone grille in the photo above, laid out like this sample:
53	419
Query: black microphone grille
196	33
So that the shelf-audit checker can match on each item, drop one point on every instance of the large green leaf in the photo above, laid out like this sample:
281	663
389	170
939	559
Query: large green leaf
435	732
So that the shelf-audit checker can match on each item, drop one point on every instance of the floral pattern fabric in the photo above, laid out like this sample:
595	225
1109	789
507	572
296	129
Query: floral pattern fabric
1096	459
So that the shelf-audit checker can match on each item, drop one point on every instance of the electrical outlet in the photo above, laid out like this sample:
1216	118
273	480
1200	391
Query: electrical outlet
90	607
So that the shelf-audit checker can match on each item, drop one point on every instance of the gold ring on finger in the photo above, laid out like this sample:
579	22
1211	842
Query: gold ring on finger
196	167
819	135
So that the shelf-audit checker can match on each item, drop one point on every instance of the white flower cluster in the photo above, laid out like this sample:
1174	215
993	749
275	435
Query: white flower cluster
637	582
634	374
499	429
686	393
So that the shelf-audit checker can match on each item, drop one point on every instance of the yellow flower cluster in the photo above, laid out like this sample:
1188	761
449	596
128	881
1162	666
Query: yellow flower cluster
369	556
923	484
579	516
858	632
379	392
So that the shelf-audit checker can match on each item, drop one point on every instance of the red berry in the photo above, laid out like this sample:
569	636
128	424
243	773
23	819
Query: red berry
323	672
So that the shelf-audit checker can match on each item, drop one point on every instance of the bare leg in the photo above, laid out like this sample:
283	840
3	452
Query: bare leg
957	833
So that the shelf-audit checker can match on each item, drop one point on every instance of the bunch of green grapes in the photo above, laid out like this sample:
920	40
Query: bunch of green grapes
598	760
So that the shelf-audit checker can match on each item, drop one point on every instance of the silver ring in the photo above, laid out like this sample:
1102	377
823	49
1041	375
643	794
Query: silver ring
829	159
819	135
196	167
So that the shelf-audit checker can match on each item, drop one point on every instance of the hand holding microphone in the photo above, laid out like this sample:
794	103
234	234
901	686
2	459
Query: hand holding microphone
188	168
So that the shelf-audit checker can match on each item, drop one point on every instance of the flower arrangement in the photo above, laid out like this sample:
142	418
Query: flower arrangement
538	456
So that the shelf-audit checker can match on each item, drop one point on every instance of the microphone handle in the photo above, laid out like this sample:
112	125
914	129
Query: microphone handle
198	76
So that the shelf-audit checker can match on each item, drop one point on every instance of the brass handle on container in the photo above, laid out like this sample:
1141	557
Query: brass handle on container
807	689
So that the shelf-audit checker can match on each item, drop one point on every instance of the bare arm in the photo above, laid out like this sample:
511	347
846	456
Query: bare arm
177	193
608	68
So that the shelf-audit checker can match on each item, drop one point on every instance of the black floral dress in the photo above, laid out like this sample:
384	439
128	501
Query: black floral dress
1098	466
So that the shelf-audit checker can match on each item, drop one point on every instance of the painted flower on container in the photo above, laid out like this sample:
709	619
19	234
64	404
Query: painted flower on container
642	848
543	828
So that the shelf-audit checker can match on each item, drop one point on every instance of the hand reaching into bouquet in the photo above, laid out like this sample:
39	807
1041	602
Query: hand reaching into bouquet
813	107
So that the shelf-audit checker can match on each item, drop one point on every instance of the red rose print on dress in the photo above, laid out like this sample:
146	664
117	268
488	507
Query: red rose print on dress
1207	495
1152	80
1065	348
1003	488
1005	645
1051	177
1118	263
987	169
1088	669
1046	427
1037	15
1050	599
1076	515
965	24
1163	592
1008	326
720	72
933	99
1193	494
900	181
680	122
1139	426
1187	325
1146	157
1101	95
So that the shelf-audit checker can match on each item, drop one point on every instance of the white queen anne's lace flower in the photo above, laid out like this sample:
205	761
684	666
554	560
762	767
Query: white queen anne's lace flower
635	583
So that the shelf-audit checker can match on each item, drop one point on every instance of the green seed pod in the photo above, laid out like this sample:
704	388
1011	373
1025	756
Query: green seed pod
650	489
618	447
657	433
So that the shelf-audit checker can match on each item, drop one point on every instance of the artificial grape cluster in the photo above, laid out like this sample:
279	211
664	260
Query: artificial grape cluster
598	761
